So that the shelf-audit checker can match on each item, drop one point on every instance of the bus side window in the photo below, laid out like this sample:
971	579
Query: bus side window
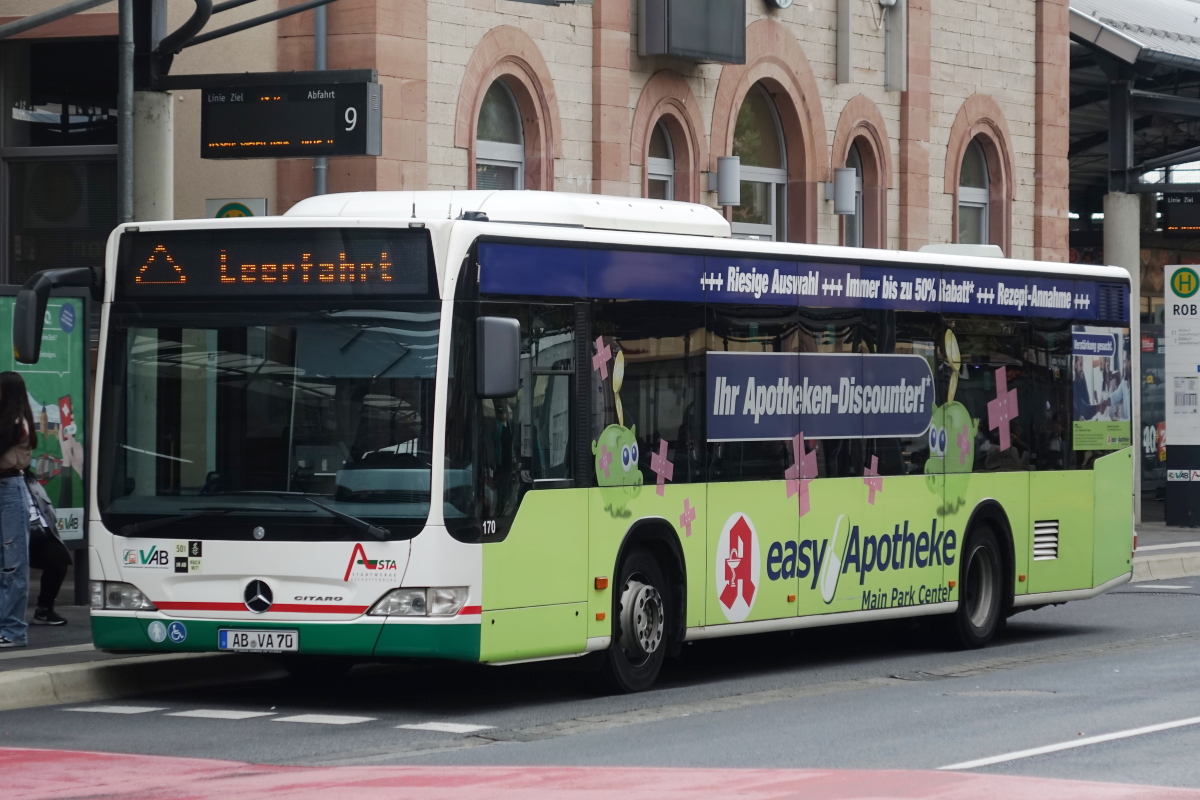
547	453
648	387
904	333
835	330
1048	362
751	329
987	346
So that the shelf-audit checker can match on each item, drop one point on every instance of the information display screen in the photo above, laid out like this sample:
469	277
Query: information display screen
286	121
1181	215
260	262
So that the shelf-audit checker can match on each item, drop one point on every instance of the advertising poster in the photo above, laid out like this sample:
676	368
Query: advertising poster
1102	391
57	386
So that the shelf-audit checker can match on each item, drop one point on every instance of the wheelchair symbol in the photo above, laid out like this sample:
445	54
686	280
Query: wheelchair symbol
177	632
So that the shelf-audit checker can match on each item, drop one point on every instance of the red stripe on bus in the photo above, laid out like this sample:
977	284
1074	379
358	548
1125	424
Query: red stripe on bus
471	610
286	608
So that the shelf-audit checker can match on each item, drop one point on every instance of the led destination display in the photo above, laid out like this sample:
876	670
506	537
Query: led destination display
275	262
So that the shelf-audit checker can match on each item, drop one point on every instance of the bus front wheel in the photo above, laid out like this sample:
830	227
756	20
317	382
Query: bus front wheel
980	590
638	649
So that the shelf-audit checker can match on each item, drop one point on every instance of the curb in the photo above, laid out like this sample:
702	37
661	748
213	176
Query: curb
104	680
1164	567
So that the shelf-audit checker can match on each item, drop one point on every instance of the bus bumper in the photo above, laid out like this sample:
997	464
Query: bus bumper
366	637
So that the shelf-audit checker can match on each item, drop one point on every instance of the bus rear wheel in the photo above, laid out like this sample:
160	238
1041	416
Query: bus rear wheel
980	590
638	649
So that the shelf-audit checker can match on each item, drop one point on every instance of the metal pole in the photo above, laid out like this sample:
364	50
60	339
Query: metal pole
46	17
320	35
125	113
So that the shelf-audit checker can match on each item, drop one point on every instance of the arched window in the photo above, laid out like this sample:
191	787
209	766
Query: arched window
973	193
660	165
854	222
758	141
499	141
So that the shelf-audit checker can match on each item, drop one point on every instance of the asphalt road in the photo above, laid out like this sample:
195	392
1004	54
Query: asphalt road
868	696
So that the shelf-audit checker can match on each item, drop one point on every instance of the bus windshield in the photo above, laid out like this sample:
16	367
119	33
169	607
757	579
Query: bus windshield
274	419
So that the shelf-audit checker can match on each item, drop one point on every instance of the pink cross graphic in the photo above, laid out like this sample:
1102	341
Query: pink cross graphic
872	480
661	467
605	459
602	357
688	516
964	443
1003	409
804	466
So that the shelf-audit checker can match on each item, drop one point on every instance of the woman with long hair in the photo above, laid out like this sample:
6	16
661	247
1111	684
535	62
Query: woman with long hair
17	440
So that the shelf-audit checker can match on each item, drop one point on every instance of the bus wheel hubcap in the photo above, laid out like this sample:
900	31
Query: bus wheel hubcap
641	618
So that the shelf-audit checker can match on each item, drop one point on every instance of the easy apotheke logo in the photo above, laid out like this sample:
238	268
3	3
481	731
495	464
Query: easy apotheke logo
738	567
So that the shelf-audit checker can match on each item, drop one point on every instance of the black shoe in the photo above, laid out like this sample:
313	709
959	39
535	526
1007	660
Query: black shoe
7	642
47	616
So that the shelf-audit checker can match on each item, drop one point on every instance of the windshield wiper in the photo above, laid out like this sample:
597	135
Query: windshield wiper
151	524
354	522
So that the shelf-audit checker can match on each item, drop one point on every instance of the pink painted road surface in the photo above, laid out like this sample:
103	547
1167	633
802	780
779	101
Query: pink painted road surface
44	774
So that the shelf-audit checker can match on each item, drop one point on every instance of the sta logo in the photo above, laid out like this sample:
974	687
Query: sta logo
364	568
737	567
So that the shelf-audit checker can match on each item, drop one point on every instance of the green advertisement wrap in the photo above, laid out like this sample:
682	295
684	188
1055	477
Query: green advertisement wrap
1101	388
57	387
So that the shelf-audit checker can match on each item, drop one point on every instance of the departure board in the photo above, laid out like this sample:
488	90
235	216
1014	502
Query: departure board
339	119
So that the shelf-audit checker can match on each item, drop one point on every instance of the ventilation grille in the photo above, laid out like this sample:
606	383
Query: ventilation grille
1045	540
1112	302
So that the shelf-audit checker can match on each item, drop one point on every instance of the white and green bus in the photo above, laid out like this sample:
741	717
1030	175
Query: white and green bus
507	426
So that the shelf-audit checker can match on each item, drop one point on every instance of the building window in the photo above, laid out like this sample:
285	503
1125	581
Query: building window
660	165
758	141
58	148
499	141
854	222
973	190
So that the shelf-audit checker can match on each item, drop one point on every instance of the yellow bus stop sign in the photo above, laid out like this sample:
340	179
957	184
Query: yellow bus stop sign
240	210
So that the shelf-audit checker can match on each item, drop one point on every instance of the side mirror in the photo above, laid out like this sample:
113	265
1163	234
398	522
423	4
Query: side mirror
29	312
497	356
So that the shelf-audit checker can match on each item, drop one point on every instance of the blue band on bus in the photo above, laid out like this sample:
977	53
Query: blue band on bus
775	396
632	275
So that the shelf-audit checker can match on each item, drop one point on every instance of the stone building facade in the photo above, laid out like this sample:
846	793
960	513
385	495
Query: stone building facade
969	144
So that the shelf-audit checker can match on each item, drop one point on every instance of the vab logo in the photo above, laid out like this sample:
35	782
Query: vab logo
738	567
152	558
359	563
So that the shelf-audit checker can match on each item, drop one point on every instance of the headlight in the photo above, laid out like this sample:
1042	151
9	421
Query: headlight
446	601
120	597
438	601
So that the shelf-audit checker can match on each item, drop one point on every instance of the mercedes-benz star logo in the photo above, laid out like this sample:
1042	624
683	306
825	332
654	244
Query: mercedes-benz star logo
258	596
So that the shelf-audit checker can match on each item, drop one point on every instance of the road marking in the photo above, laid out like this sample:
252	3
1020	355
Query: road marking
217	713
49	651
1176	546
324	719
1090	740
641	716
446	727
1159	586
117	709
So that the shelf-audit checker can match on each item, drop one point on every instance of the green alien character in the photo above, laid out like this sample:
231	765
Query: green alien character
951	429
617	470
951	439
616	453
